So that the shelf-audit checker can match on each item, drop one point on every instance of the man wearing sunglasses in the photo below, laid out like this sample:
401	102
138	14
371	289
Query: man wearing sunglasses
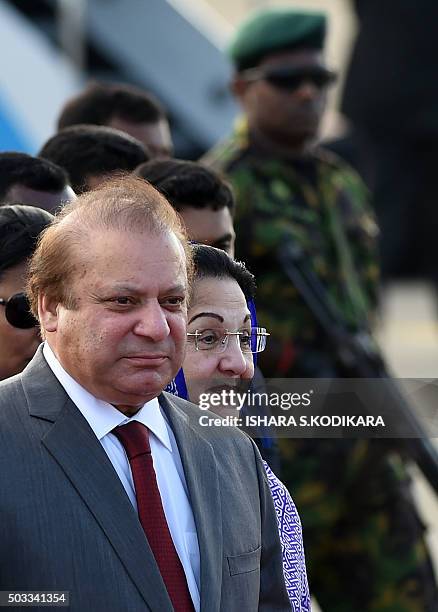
353	503
288	189
20	227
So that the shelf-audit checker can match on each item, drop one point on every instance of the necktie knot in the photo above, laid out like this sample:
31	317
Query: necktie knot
135	438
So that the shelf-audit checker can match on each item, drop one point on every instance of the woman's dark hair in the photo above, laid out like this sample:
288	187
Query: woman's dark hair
20	227
186	183
214	263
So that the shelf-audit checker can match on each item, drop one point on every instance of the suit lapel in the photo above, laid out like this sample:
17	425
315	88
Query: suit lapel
73	445
200	470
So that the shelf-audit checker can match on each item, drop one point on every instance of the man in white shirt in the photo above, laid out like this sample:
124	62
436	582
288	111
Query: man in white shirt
111	490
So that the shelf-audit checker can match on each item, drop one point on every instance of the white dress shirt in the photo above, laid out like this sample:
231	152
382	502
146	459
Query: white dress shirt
102	418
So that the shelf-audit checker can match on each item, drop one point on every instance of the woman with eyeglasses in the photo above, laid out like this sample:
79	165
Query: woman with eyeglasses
20	227
221	343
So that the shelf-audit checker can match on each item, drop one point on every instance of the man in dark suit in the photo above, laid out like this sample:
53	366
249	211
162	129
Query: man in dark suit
110	489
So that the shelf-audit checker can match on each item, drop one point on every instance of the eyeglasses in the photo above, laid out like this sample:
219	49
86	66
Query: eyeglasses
291	79
17	311
216	340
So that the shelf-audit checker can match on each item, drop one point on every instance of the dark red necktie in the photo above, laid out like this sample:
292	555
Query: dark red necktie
135	438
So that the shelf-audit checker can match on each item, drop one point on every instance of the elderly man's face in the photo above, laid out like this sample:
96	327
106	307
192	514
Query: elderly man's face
125	339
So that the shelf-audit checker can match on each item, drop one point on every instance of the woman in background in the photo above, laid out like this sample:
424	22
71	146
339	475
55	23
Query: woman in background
20	227
220	349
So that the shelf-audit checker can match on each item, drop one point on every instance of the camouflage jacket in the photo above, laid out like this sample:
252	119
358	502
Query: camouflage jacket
318	203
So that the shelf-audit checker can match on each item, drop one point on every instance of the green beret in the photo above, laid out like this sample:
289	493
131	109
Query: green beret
272	30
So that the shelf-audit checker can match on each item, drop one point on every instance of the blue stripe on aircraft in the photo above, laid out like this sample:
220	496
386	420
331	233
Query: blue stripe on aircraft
11	137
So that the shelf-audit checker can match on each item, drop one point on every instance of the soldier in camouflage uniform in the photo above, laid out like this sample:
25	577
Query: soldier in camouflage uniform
364	541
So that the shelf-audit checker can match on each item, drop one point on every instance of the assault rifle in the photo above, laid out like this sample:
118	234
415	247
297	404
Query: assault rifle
359	357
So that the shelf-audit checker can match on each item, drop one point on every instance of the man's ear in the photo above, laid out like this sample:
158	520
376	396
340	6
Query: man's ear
47	313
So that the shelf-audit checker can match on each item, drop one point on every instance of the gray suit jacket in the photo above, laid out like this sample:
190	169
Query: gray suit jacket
66	522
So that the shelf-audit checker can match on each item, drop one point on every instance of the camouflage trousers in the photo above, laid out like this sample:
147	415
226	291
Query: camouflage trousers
364	541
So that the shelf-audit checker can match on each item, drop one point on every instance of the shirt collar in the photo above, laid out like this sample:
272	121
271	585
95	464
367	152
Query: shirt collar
102	416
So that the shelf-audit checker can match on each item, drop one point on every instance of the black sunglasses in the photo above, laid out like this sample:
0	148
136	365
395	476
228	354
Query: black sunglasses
17	311
291	79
